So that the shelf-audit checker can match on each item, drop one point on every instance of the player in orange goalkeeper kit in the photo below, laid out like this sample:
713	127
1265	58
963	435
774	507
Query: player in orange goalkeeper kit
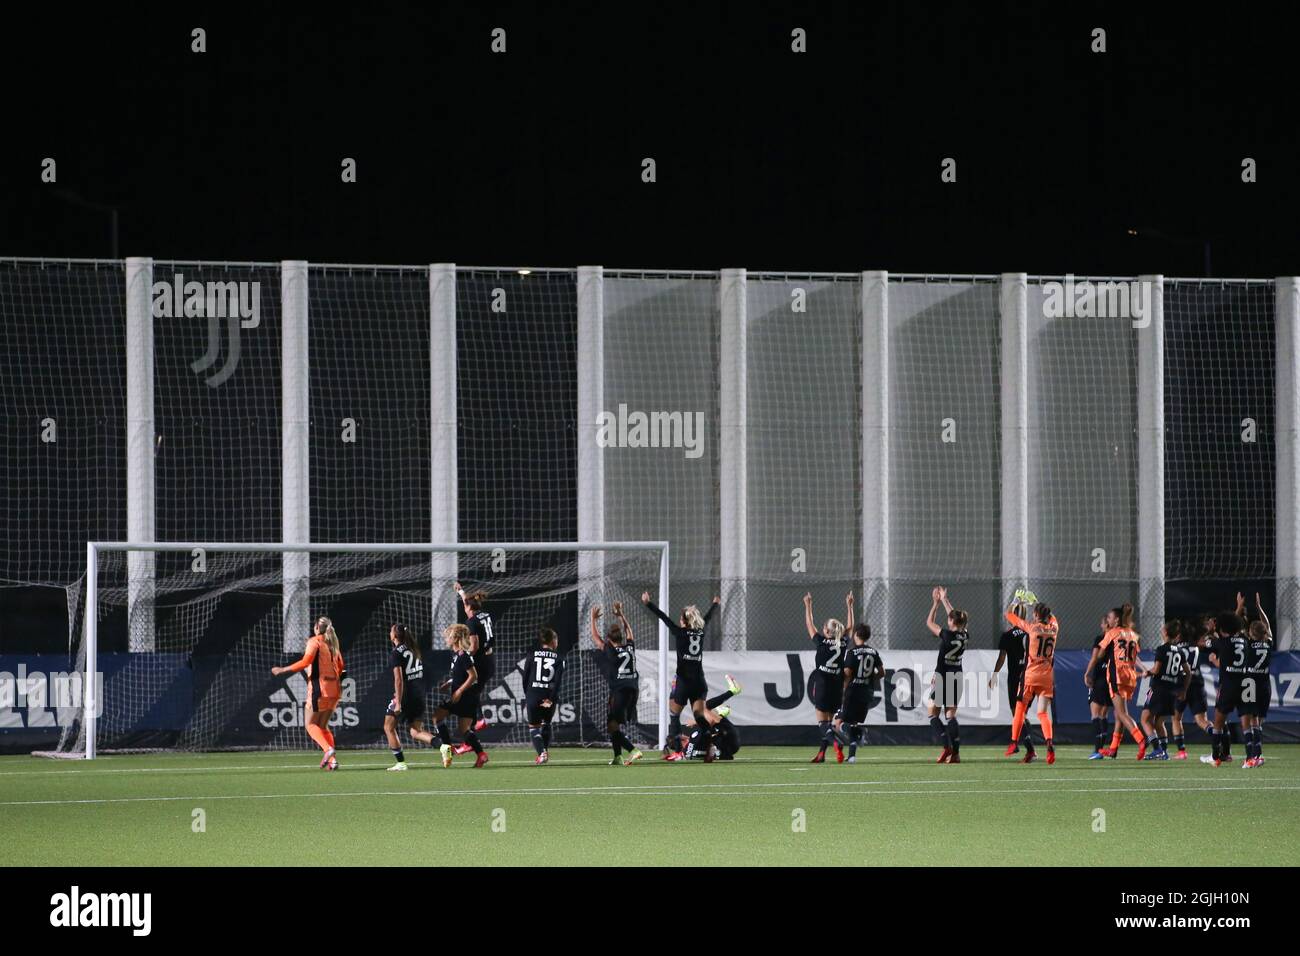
324	666
1038	680
1121	676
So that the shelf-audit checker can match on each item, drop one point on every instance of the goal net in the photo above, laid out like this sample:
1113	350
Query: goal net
185	664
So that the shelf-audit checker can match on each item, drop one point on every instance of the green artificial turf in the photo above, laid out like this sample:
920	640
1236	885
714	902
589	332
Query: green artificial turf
895	806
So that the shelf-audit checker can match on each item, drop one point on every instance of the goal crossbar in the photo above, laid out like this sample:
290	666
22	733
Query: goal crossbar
94	548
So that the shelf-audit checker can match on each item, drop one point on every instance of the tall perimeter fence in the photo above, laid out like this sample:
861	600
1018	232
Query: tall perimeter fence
1100	440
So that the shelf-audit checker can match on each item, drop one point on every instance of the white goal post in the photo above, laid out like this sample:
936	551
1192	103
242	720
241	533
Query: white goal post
96	551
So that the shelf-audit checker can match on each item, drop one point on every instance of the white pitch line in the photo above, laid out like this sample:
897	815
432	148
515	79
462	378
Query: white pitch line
646	791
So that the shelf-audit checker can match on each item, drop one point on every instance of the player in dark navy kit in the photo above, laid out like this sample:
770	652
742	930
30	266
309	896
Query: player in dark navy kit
826	686
543	670
862	669
1192	647
407	703
1169	682
1230	653
463	702
618	658
715	737
1013	650
689	686
1098	691
1256	688
945	686
482	641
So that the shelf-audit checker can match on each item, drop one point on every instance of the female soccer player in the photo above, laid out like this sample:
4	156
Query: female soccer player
826	688
1123	644
862	669
1038	680
945	686
715	732
618	657
1013	646
479	623
407	704
542	674
1169	682
1098	694
1192	647
463	704
324	665
689	686
1256	687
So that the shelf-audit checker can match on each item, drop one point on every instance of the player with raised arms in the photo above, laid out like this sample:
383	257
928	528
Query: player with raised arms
323	662
826	688
862	669
542	673
463	703
689	686
407	703
618	657
1229	652
1038	681
945	685
1256	687
1123	644
479	622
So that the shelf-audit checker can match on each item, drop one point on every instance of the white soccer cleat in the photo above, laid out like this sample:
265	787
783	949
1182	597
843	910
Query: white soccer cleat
445	750
723	711
631	758
1206	758
732	684
400	765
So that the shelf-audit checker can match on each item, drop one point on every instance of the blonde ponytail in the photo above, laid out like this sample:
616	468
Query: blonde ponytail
834	631
331	638
694	620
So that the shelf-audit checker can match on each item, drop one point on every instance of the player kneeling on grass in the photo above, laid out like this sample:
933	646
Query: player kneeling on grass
1038	680
464	701
1169	682
945	686
826	689
324	666
542	673
407	665
618	658
862	669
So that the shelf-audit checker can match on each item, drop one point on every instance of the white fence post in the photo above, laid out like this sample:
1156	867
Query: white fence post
140	514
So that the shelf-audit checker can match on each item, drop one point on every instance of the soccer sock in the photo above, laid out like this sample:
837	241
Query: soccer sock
1045	719
1137	735
1162	743
853	739
471	738
954	734
318	734
329	737
398	756
546	734
824	728
1180	741
1018	721
1098	734
443	733
1116	737
714	702
1216	744
674	731
539	741
623	741
940	735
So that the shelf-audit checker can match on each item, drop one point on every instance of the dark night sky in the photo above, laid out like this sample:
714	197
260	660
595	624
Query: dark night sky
825	161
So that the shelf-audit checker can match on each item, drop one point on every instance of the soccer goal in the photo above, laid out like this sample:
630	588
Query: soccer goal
172	644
